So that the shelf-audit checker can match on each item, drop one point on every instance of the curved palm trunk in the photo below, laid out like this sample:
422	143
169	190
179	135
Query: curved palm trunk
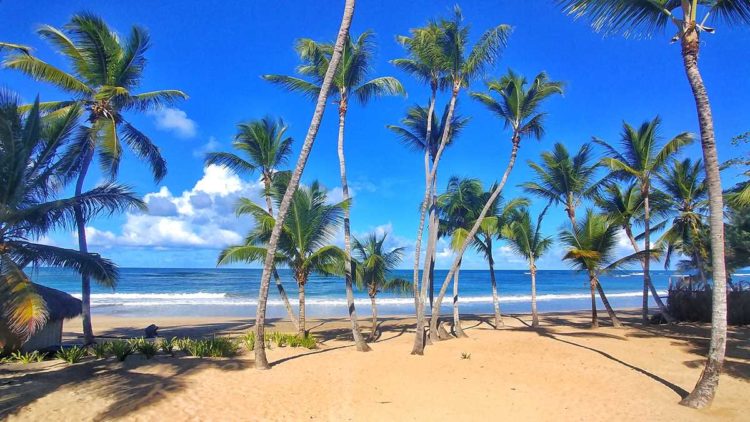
359	340
88	331
654	293
534	315
473	231
592	287
615	321
457	330
493	282
261	361
420	295
301	329
705	389
374	307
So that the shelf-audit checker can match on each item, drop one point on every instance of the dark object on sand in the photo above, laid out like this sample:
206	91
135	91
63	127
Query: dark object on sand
658	319
151	331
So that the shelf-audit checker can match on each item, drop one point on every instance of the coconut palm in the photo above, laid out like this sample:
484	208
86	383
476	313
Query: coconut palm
518	108
590	247
638	157
638	17
261	361
105	71
304	244
685	200
350	80
263	147
31	175
526	240
373	267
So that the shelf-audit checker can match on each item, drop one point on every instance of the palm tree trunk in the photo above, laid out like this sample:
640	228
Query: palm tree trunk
457	330
534	315
261	361
615	321
474	229
592	286
647	247
654	293
88	331
429	263
359	340
301	330
374	307
419	337
705	389
493	282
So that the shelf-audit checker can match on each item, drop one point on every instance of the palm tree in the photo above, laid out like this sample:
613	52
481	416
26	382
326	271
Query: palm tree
638	157
415	134
526	240
373	267
31	175
350	80
106	70
646	18
266	147
685	199
518	107
261	361
304	244
591	244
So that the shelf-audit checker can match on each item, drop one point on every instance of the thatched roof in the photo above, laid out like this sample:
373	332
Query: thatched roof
60	305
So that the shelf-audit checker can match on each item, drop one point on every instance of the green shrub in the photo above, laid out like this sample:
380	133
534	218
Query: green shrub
147	348
249	340
168	344
183	343
26	358
101	350
71	354
121	349
308	341
215	347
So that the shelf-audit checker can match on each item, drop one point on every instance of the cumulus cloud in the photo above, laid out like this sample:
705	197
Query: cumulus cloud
174	120
200	217
210	146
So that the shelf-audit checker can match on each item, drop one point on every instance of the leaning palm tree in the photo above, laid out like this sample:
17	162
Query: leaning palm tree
350	80
373	267
525	239
518	107
590	245
106	69
637	17
304	244
261	361
638	157
684	201
263	147
30	177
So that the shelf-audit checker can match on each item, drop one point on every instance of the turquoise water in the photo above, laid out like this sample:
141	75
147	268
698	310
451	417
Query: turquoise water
234	292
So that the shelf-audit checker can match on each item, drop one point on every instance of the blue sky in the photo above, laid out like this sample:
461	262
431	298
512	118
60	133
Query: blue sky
216	53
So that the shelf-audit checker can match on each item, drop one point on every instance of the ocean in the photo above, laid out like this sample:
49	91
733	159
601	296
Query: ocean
234	292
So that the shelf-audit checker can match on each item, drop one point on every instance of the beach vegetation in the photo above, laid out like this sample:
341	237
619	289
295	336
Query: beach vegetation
168	344
101	350
27	357
145	347
71	354
215	347
121	349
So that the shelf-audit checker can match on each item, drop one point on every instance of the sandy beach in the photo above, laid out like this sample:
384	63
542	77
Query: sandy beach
561	371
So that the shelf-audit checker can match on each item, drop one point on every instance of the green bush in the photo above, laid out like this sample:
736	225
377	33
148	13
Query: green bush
26	358
71	354
101	350
215	347
292	340
121	349
249	340
168	344
147	348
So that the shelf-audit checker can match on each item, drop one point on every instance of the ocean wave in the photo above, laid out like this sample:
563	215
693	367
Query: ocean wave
224	299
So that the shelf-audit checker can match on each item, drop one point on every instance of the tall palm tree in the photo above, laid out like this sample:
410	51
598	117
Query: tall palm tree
685	200
105	71
624	205
373	267
639	156
304	244
590	245
261	361
637	17
526	240
265	148
31	175
350	80
518	108
457	208
415	135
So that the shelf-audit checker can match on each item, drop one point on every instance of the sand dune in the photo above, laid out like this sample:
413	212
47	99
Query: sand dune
562	371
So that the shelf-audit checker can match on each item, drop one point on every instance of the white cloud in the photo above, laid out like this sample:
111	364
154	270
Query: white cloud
174	120
200	217
210	146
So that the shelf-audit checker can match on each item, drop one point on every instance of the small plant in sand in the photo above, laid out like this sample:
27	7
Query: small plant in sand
26	358
147	348
168	345
249	340
71	354
465	356
121	349
101	350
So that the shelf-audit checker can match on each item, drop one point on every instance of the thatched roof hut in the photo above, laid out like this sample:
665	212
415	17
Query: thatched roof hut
60	306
